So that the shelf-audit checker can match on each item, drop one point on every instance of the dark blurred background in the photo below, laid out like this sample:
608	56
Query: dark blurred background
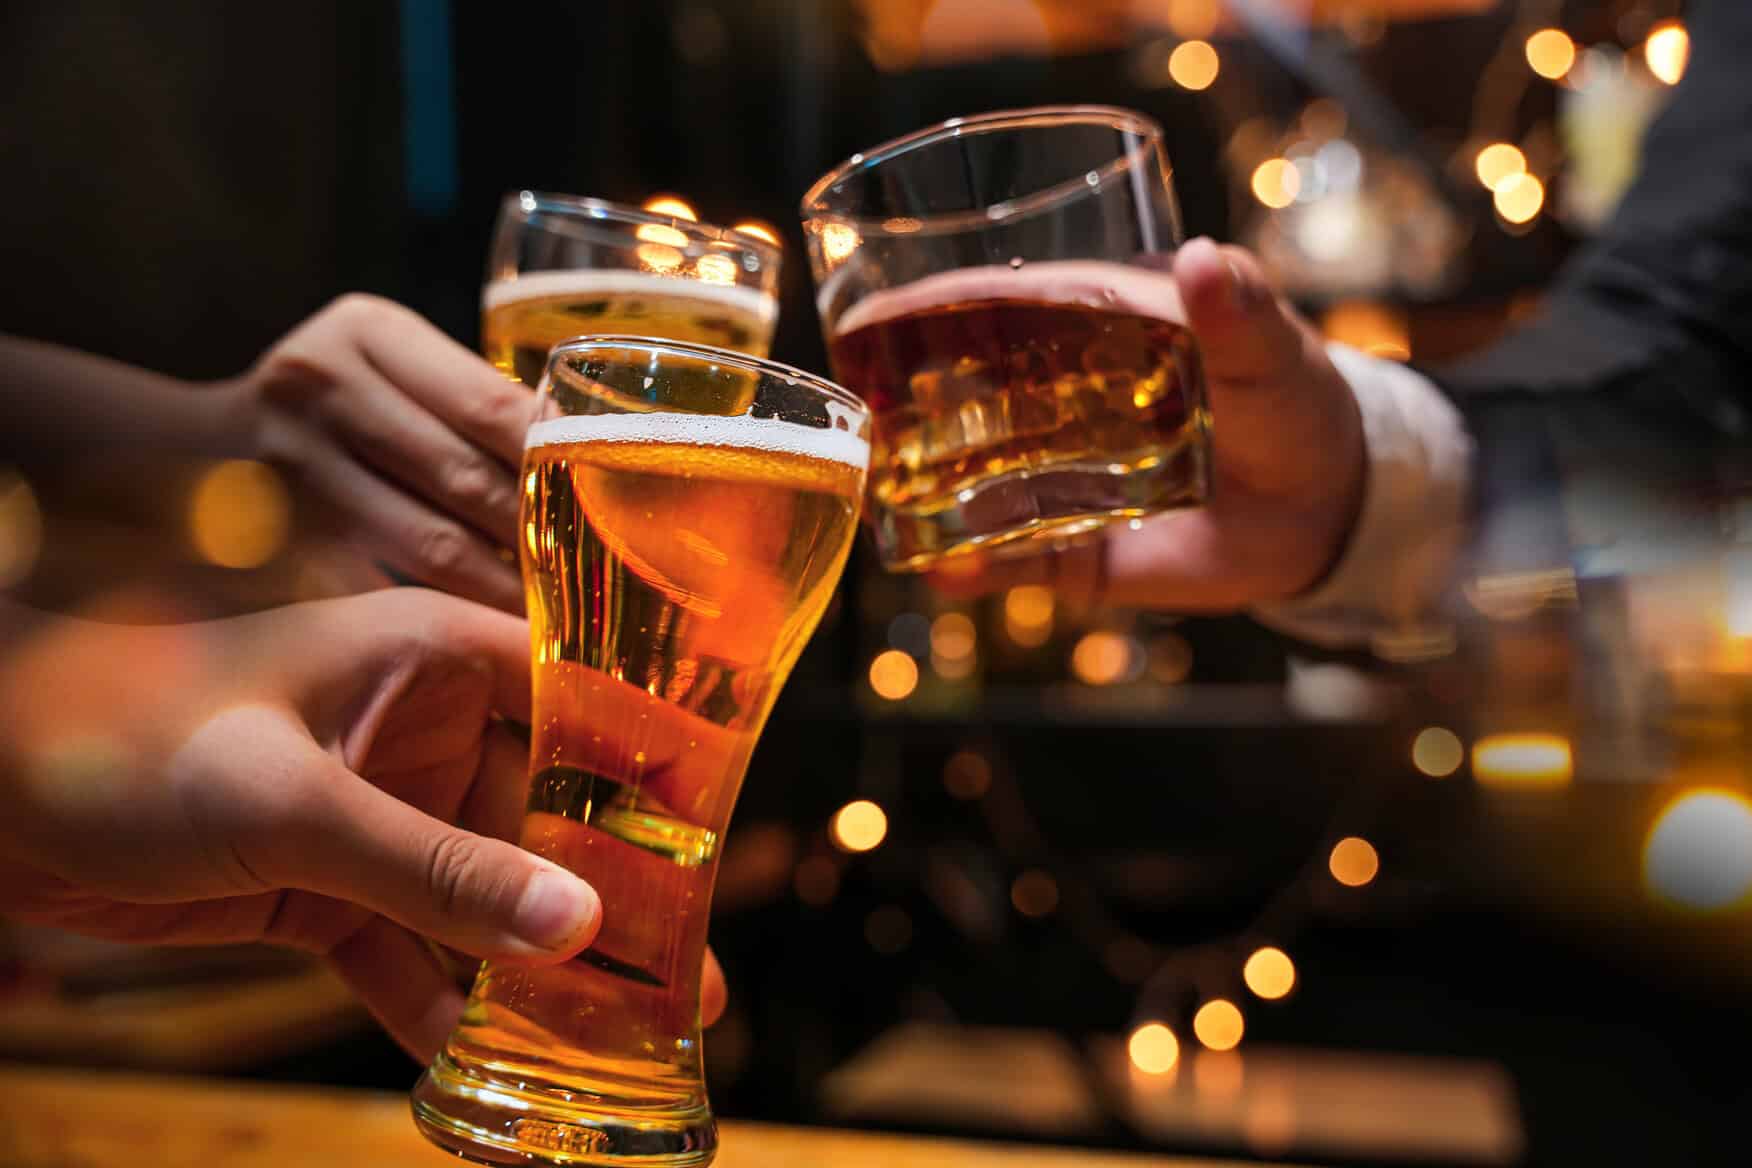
992	855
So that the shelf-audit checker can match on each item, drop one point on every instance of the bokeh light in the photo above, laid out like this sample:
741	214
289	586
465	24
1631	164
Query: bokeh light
1353	862
1668	51
673	206
659	257
1698	855
716	269
1276	183
759	230
1551	53
1269	973
661	233
838	240
1194	65
1102	658
1153	1048
967	774
1219	1025
1028	611
1519	197
1034	893
1523	760
1368	325
21	529
859	826
953	636
894	674
1437	751
1497	163
239	514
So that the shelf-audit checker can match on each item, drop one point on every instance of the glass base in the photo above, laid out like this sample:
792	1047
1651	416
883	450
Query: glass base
1012	514
493	1122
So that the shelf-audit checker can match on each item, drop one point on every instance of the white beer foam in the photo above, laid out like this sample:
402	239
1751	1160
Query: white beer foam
594	282
738	433
1092	283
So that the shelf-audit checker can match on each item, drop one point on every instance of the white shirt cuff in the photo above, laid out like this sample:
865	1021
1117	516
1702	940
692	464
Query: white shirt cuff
1383	591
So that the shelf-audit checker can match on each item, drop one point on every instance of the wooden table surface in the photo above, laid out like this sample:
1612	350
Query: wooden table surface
58	1118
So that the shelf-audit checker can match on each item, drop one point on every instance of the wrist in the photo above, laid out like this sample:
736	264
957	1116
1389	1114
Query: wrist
1401	543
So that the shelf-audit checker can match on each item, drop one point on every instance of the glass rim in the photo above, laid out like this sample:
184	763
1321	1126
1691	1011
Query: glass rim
815	205
759	366
523	203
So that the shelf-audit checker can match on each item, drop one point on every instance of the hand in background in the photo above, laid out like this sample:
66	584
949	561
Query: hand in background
1287	466
408	440
328	776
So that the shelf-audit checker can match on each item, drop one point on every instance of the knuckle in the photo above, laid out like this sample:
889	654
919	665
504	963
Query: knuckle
442	548
469	480
361	309
450	870
505	410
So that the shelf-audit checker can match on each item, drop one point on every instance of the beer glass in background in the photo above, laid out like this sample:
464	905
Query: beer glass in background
562	267
686	514
996	288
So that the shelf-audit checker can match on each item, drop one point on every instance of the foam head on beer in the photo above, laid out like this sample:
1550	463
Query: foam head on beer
524	316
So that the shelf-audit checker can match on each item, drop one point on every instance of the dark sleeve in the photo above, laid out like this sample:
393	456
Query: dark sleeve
1668	283
1632	390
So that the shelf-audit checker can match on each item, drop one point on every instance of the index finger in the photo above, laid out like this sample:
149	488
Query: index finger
455	384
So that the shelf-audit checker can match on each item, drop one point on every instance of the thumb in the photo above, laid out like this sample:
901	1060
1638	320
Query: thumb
355	842
1247	336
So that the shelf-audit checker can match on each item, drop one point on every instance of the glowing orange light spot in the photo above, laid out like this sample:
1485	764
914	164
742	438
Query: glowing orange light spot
838	240
759	230
716	269
1354	862
1497	163
1523	760
1194	65
1269	973
859	826
894	674
1153	1048
1218	1024
1668	51
1519	197
1276	183
239	515
673	206
1551	53
1104	658
1028	615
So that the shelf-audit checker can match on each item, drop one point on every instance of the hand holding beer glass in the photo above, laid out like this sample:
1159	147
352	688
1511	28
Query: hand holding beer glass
562	266
686	515
996	288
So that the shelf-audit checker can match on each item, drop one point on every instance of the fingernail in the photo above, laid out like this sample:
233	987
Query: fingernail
1243	293
555	910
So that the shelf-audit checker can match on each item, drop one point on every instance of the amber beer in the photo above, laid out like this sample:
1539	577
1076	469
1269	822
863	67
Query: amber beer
524	316
674	566
1041	400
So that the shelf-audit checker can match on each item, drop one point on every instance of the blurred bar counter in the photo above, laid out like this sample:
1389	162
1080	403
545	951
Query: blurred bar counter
52	1119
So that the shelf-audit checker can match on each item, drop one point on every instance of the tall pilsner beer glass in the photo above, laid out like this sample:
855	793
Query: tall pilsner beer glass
562	267
996	289
686	514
